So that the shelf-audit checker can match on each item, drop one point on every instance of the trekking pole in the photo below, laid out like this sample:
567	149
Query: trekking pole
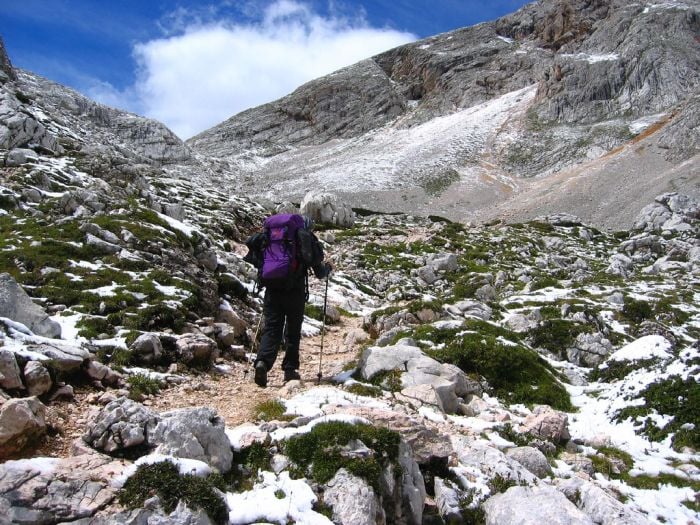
251	361
323	331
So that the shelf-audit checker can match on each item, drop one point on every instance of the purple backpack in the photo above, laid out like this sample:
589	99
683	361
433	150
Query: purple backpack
281	252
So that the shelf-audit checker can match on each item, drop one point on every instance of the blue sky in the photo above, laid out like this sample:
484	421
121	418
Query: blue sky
193	64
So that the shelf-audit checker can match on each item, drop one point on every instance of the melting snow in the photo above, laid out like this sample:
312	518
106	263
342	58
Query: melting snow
276	499
593	58
644	348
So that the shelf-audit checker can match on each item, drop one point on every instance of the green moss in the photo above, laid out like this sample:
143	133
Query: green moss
157	317
364	390
319	451
653	482
556	335
316	312
603	462
438	183
616	370
141	385
272	409
515	373
248	462
544	282
672	397
507	432
499	484
388	379
636	311
164	480
91	326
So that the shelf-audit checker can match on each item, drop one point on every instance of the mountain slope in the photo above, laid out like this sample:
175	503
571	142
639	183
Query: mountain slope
409	123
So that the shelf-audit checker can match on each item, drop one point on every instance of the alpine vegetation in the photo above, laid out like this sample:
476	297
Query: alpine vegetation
538	367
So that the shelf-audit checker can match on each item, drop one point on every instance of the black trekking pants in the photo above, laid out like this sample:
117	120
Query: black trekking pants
282	305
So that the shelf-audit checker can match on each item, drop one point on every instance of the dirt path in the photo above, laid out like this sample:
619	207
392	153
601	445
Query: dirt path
234	396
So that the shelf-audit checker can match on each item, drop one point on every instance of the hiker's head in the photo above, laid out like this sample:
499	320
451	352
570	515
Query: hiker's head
308	223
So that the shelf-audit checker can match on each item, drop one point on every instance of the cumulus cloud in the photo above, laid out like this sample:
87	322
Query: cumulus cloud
212	69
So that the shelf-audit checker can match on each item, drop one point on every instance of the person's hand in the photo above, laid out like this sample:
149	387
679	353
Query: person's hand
327	269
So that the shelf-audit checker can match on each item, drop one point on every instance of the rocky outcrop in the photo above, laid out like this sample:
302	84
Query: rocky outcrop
326	208
22	424
149	140
533	506
547	423
5	64
120	425
196	433
15	304
353	501
362	93
50	490
669	212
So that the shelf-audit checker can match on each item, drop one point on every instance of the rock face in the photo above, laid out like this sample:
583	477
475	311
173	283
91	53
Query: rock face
15	304
583	78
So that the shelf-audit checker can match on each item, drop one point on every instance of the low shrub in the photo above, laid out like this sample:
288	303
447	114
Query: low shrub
318	452
164	480
674	397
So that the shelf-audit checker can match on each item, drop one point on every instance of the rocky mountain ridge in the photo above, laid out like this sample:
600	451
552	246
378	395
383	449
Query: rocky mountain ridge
602	73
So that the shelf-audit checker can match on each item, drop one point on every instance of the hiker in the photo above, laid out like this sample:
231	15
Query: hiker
283	253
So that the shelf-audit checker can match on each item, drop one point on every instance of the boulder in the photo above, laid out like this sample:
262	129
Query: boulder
196	349
196	433
9	371
427	444
471	308
37	378
443	262
589	350
61	357
411	501
147	348
669	212
380	359
602	507
521	323
100	372
22	423
547	423
120	425
533	506
620	265
104	247
482	456
18	156
326	208
16	305
353	501
532	459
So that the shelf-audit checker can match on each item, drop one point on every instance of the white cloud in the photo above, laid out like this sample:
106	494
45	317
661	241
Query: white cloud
210	71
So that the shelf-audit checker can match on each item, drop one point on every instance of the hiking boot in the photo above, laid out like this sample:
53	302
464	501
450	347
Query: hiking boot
260	374
291	375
